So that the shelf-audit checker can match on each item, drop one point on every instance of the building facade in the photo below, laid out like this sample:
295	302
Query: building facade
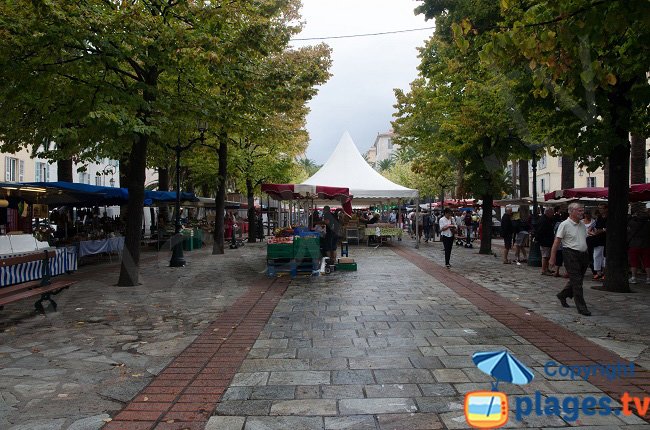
549	176
382	149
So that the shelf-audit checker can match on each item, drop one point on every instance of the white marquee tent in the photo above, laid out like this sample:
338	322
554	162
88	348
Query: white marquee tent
347	168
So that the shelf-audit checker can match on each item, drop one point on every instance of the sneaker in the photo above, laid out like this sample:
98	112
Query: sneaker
448	266
632	280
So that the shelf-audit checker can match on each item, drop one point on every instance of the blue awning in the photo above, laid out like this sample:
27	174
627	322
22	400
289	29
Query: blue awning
70	193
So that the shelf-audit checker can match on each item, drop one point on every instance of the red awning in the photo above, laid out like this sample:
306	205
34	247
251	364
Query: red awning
300	191
576	193
638	193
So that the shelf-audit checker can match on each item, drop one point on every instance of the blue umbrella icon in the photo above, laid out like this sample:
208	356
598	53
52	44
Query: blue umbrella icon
503	367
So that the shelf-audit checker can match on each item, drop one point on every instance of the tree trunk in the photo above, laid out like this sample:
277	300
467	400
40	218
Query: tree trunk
616	248
606	174
163	185
637	166
220	199
64	170
568	173
524	189
131	254
252	218
124	181
486	225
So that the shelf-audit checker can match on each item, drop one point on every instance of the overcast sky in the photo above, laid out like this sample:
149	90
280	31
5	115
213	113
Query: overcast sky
359	96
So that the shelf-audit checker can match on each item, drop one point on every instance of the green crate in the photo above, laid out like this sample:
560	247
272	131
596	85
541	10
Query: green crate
352	267
279	250
306	247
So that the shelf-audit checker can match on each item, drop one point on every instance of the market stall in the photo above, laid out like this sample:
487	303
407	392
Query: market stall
109	245
380	232
347	168
19	245
295	249
638	193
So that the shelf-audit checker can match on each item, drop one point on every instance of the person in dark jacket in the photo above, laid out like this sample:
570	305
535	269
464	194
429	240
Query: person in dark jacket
506	232
545	237
638	241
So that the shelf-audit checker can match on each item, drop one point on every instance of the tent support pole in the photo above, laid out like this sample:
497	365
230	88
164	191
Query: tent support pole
417	222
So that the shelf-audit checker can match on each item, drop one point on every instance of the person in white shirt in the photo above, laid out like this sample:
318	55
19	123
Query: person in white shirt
447	230
572	235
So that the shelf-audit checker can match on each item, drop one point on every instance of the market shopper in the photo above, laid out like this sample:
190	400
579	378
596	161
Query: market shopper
599	242
638	240
447	230
506	232
331	234
545	237
572	235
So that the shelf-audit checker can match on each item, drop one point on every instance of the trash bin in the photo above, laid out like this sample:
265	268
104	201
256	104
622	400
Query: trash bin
188	236
197	240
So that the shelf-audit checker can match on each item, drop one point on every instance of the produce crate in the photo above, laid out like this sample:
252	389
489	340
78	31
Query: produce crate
306	247
279	250
352	267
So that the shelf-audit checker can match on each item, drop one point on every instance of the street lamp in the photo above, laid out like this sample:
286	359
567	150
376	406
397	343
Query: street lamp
535	255
178	259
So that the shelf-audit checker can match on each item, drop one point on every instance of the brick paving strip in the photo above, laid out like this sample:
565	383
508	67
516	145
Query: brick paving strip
559	343
186	392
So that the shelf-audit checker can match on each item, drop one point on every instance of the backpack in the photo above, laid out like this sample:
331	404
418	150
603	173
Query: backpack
468	219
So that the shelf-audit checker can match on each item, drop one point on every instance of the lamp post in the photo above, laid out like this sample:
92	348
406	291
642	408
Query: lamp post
178	259
534	255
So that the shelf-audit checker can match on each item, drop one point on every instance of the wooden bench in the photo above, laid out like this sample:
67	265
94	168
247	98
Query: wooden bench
44	287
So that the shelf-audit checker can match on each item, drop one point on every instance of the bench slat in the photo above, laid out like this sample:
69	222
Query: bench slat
7	291
34	292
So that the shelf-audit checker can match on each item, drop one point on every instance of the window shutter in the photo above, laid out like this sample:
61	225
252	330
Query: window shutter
47	172
21	175
7	169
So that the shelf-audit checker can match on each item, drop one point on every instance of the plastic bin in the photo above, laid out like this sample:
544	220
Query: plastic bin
197	240
351	267
279	250
307	247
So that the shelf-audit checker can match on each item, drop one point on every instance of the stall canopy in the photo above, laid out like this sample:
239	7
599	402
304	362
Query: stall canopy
75	194
638	193
346	168
310	192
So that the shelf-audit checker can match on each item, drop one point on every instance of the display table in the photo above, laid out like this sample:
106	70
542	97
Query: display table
379	232
108	246
64	261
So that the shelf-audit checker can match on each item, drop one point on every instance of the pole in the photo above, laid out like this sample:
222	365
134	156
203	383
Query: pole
535	254
178	259
417	221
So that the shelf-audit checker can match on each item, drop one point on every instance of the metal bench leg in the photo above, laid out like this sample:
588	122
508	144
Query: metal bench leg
39	303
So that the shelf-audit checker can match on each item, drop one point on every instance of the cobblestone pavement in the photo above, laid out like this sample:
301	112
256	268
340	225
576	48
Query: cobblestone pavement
619	322
75	368
389	346
386	347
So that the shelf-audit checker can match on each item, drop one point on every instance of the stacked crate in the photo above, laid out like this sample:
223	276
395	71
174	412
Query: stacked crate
301	254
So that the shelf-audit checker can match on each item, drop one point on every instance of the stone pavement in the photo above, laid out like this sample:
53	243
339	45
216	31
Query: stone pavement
78	367
389	346
386	347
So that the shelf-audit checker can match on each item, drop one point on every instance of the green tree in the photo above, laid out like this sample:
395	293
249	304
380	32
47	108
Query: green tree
588	58
385	164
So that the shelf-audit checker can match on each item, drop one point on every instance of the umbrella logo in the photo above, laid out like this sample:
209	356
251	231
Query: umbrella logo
489	409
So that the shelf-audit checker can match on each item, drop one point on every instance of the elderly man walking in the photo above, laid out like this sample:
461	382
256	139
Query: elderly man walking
572	235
